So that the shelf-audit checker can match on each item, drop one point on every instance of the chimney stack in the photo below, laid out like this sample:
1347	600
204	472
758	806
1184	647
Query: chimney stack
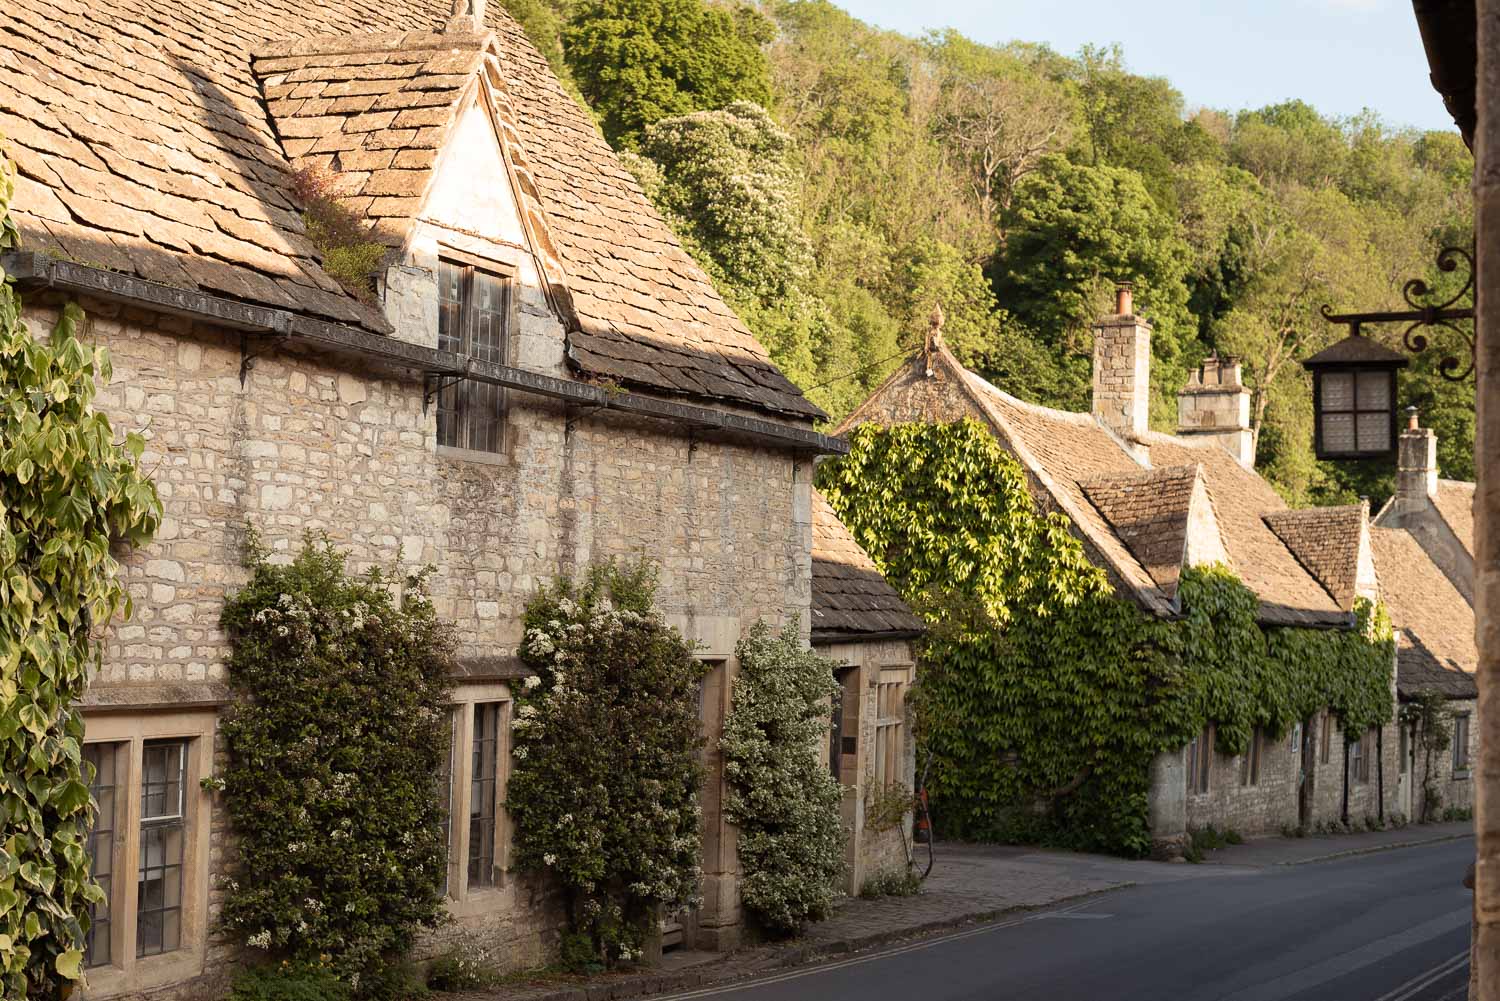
1216	405
1122	367
1416	465
466	17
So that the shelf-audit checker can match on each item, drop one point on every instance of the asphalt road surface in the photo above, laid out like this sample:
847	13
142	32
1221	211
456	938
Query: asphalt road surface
1392	926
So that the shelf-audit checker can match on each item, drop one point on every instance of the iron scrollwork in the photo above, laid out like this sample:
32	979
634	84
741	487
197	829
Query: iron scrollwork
1425	313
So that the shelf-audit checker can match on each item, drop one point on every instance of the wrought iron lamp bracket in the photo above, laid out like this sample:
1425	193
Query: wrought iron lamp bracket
248	356
1425	313
436	382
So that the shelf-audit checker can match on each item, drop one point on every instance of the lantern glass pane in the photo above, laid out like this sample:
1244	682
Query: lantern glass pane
1338	432
1374	432
1374	391
1338	391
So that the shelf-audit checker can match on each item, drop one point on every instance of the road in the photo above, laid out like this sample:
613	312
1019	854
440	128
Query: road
1392	926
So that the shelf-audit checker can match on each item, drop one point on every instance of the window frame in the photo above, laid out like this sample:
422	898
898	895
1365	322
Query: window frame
1360	753
453	396
891	684
128	972
1198	761
465	899
1461	759
843	734
1250	760
1354	411
1325	751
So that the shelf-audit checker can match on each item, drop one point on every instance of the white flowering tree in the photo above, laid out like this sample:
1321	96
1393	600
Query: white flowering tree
604	789
333	747
781	796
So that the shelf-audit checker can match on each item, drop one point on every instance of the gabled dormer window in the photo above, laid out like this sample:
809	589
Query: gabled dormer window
476	304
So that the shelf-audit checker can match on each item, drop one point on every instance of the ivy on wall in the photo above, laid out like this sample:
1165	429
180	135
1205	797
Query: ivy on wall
68	489
341	727
1044	695
604	788
781	795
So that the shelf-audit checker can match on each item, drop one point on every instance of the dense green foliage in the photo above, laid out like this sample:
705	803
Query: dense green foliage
68	490
288	981
781	796
1044	696
1012	184
604	791
637	61
340	727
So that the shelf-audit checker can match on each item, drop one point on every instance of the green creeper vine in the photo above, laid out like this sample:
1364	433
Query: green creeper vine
604	789
68	490
1044	695
781	796
333	747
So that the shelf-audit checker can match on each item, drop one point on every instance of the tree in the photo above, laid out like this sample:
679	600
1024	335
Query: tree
1072	231
996	117
781	796
638	61
69	491
728	182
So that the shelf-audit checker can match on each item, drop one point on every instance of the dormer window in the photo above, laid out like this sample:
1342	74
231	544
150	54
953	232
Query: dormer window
476	303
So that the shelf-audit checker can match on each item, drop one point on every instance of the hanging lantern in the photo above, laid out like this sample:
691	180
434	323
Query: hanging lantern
1354	399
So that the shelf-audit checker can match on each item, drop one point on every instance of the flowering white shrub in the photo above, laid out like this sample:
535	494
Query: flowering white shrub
333	746
604	791
783	799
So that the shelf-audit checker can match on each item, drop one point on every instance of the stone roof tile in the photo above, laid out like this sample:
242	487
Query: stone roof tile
1289	594
1325	541
1149	509
1418	669
193	118
1424	603
850	598
1455	502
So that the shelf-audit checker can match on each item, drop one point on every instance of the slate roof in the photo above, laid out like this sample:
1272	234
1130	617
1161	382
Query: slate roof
1149	510
146	145
850	598
1326	542
1422	601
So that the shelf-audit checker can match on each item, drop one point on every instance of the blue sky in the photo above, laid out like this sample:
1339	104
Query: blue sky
1341	56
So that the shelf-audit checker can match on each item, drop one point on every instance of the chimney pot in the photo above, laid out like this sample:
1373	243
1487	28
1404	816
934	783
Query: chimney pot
1124	299
1412	423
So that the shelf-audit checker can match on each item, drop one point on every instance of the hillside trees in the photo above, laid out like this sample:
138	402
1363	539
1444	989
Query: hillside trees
637	61
1012	184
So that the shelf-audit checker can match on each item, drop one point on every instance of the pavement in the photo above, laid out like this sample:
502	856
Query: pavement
977	886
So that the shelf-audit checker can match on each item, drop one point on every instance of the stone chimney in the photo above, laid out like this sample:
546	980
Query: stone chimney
1122	367
466	18
1216	405
1416	465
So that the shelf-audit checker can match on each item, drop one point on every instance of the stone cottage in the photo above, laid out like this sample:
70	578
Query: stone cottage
1146	505
538	377
1424	553
862	625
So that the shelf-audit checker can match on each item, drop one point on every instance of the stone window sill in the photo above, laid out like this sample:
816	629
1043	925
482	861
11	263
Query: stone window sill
1463	775
471	455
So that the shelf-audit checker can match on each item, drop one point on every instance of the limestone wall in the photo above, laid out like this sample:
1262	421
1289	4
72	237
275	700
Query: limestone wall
308	445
